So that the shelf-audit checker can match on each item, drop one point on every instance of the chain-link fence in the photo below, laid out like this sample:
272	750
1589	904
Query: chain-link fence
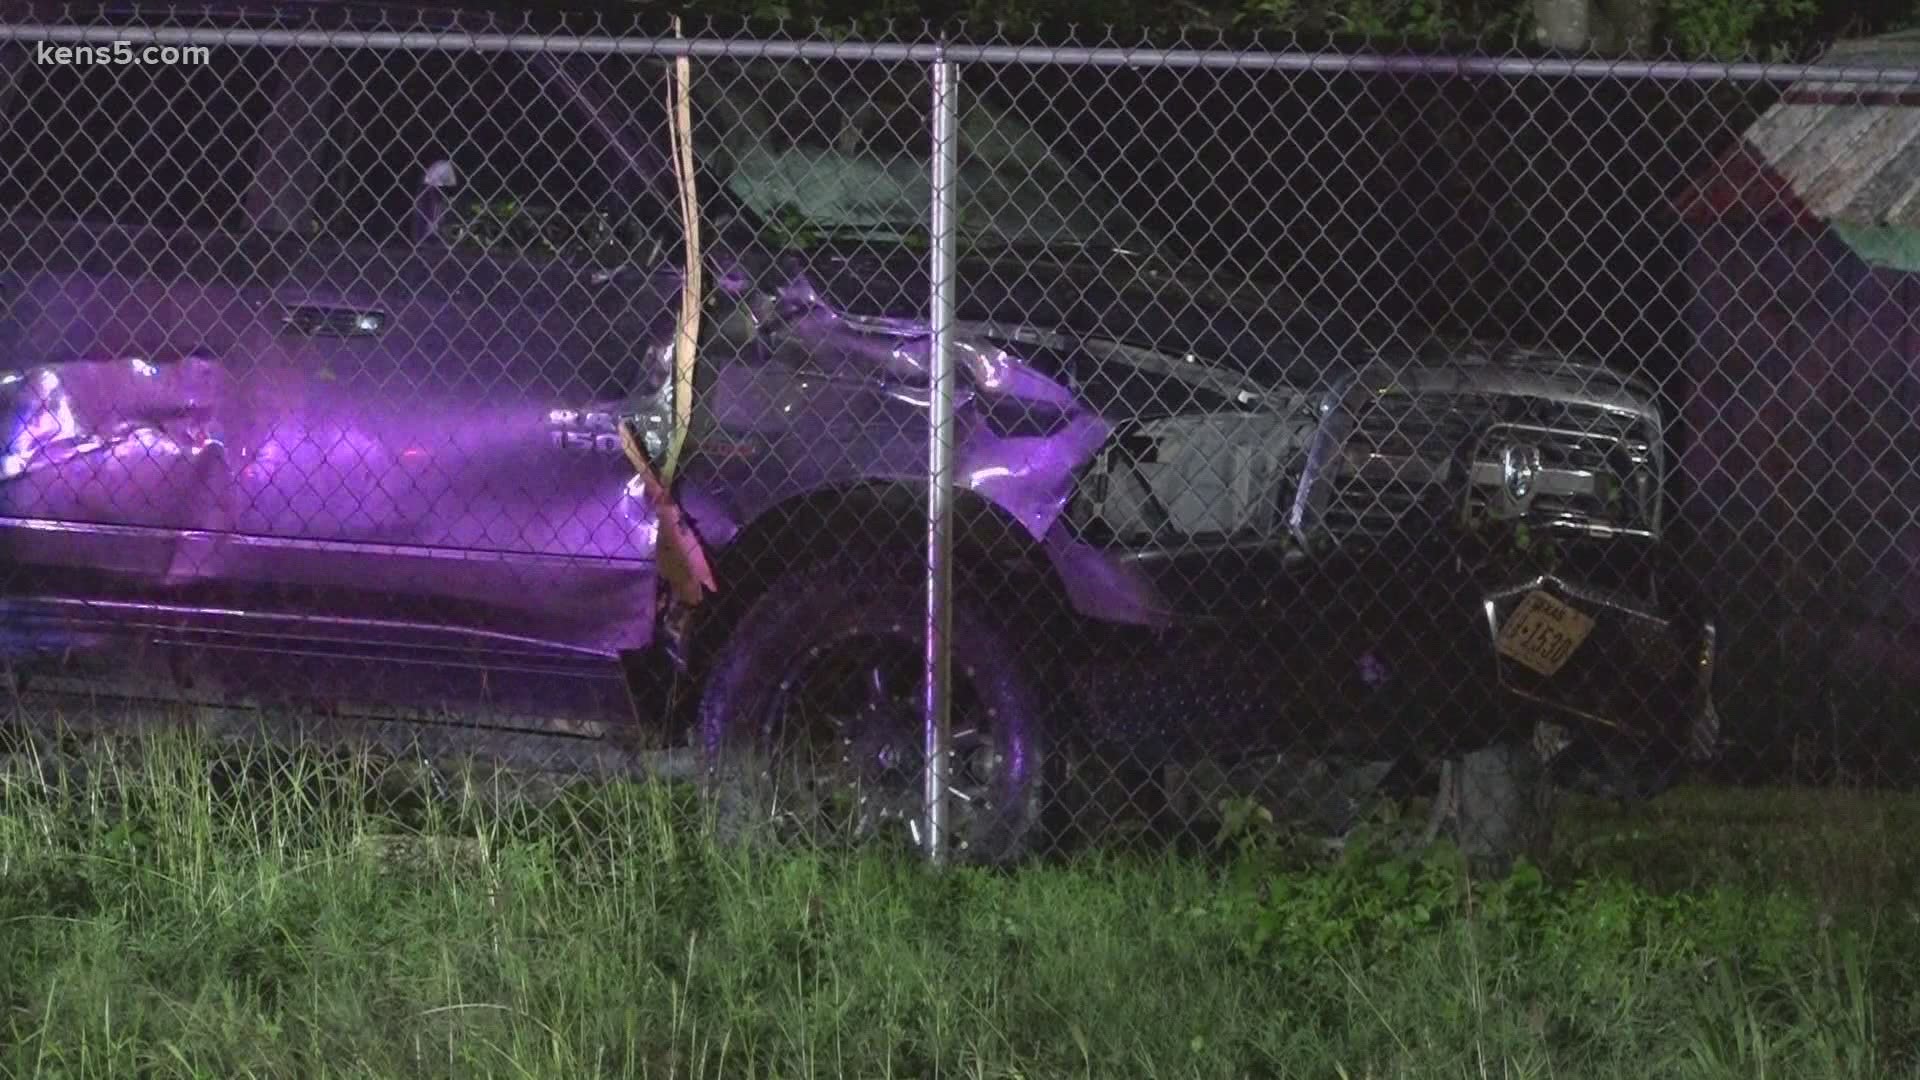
1139	436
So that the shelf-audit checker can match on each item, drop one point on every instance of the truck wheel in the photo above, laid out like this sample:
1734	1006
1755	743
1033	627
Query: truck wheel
810	720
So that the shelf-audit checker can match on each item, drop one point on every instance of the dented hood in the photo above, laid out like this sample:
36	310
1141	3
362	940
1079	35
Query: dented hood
1219	318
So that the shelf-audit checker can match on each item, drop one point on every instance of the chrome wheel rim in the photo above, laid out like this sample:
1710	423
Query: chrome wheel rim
847	747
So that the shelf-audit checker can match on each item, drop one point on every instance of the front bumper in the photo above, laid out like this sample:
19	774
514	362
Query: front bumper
1635	671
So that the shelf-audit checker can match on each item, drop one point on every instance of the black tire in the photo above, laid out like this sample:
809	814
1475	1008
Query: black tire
752	752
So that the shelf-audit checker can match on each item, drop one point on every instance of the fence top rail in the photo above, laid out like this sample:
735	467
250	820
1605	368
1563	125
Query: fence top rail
1254	60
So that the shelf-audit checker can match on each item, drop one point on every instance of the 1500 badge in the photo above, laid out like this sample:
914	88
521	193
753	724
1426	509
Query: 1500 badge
584	432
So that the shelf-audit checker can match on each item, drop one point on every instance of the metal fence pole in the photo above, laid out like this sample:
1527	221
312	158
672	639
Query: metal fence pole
944	254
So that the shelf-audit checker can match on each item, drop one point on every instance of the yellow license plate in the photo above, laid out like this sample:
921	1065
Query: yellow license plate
1542	633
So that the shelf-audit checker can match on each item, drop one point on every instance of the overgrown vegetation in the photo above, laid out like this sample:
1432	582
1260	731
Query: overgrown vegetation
166	910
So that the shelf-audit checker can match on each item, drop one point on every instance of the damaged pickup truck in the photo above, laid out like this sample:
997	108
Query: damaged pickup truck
357	411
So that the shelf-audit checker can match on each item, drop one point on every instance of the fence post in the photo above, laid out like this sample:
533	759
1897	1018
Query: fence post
944	253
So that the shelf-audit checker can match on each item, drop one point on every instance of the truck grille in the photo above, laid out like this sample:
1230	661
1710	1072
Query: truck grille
1415	456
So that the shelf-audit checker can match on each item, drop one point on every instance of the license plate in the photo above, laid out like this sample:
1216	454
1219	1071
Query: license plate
1542	633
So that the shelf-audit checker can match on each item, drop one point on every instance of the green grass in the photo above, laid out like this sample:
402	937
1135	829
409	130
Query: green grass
176	914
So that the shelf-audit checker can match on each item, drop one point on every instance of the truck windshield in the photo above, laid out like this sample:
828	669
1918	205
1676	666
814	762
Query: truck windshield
844	151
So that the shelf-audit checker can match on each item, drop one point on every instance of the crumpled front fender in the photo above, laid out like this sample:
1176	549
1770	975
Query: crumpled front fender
799	397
